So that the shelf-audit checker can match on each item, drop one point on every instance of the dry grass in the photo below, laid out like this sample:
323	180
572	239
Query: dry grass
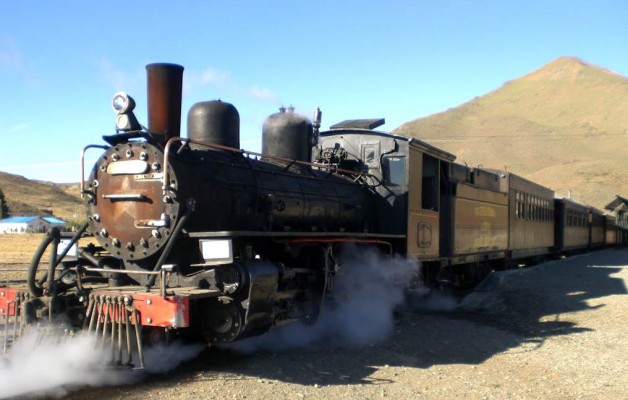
29	197
18	249
16	253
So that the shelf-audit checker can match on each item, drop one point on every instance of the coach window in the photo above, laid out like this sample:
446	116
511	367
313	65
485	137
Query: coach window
551	211
531	208
538	209
430	189
394	170
520	205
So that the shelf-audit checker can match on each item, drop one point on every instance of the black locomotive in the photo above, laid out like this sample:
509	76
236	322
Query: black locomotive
197	237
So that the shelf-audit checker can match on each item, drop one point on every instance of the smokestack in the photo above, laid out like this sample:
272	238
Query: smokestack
164	99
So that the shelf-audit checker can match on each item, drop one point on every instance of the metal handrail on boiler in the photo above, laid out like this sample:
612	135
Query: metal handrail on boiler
166	184
91	146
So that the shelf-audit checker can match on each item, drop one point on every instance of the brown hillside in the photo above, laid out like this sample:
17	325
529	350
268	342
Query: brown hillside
564	125
28	197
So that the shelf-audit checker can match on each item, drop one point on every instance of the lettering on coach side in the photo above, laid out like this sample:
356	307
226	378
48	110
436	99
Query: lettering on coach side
424	235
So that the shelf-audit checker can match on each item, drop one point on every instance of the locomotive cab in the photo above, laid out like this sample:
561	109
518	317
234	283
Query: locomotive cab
406	174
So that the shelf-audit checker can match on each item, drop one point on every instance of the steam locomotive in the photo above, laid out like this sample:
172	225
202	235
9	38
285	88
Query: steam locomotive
196	237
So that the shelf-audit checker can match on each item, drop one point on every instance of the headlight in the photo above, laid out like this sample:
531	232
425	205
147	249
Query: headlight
123	122
122	103
217	251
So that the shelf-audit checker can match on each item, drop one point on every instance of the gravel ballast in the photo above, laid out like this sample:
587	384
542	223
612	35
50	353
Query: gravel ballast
554	331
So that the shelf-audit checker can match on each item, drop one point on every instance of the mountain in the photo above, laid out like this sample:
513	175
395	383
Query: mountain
564	125
29	197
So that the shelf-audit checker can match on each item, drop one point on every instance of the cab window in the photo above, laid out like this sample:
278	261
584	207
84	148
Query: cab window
370	154
394	170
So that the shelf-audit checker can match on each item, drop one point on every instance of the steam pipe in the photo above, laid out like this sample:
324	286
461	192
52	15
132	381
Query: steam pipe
316	124
191	204
37	291
164	83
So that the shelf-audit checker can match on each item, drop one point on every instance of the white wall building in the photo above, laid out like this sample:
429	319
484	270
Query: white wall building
29	224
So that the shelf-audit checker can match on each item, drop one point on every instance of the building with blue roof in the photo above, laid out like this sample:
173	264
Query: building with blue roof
32	223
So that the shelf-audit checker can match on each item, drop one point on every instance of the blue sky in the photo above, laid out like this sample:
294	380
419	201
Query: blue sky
62	61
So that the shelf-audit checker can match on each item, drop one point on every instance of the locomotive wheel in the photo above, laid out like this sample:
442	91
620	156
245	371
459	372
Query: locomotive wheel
224	321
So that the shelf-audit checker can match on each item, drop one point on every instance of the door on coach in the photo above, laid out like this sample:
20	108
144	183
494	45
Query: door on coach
424	206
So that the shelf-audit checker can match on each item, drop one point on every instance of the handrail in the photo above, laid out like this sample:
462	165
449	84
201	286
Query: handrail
166	184
91	146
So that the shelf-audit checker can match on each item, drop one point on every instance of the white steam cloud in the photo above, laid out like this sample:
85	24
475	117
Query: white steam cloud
166	357
367	290
50	364
262	93
44	364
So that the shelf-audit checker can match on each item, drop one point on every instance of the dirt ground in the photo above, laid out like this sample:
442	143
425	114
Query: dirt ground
555	331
